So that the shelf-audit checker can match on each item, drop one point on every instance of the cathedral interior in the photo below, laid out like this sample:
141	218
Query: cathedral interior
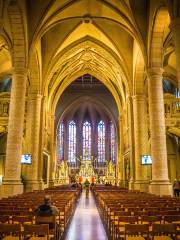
89	89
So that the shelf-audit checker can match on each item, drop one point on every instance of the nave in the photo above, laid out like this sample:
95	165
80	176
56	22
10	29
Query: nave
122	212
86	222
89	89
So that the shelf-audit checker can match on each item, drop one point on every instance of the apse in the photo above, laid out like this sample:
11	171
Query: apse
86	127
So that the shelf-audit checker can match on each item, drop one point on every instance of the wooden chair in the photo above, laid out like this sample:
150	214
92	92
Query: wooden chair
122	221
113	219
4	219
54	228
150	219
163	231
175	219
10	231
22	219
172	219
36	231
172	212
136	231
140	213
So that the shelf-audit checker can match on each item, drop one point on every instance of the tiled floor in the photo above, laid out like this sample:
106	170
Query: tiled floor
86	223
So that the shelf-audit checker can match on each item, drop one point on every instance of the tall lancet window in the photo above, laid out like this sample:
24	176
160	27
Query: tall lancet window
72	142
112	143
87	141
101	141
60	142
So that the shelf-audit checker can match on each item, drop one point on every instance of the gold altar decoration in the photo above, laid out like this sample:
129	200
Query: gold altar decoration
86	170
62	173
110	173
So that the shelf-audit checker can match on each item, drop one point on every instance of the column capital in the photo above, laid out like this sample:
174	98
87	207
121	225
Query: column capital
35	96
139	97
20	70
155	72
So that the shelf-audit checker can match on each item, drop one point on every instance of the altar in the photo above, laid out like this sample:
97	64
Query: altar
86	171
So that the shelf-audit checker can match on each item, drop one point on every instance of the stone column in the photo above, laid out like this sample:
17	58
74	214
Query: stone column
160	183
52	164
140	140
176	34
131	142
120	150
32	180
12	178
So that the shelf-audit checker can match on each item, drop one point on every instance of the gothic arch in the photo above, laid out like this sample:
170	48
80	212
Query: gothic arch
75	105
5	56
81	64
19	51
139	74
161	19
34	66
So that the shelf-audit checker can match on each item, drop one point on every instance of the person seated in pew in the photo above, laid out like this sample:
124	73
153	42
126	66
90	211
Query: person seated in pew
47	209
176	188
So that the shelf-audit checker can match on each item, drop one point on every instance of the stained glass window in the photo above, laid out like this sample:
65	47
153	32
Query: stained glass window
101	141
87	141
72	142
60	142
112	142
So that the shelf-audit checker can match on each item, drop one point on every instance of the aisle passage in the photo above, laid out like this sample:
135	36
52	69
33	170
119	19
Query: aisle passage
86	223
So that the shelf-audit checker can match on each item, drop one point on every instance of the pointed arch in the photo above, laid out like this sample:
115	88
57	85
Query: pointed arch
139	72
34	66
18	34
161	21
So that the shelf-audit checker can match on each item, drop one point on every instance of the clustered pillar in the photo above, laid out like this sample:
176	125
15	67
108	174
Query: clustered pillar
12	178
141	141
120	148
32	178
52	163
131	144
160	182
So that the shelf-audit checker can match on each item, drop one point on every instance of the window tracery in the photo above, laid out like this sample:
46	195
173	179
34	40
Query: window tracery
112	143
101	142
72	142
87	140
60	142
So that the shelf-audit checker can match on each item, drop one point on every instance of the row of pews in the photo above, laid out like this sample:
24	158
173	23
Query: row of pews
17	213
132	213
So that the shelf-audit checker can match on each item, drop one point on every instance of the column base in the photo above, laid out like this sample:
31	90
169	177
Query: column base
121	183
11	187
51	183
161	187
131	184
141	185
31	185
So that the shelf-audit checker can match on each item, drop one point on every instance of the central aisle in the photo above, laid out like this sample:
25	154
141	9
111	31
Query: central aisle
86	223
